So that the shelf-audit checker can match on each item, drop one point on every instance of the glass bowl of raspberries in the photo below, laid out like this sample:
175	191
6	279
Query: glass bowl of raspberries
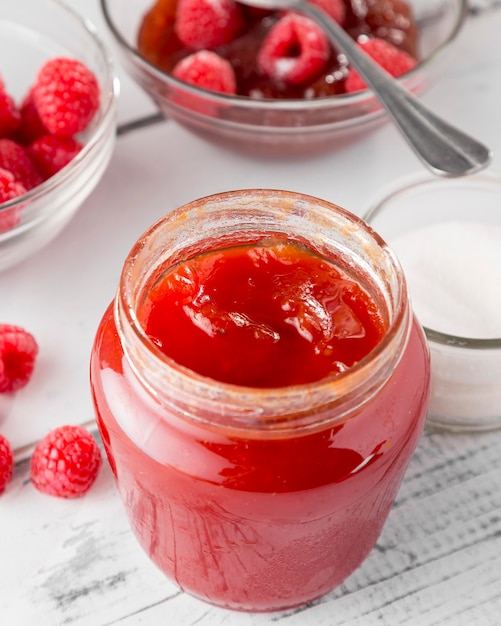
58	92
269	82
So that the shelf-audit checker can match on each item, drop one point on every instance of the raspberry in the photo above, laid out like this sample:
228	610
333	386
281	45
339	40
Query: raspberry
66	94
295	50
6	463
10	118
18	352
15	159
207	24
31	127
208	70
66	462
335	8
391	20
51	153
390	58
10	188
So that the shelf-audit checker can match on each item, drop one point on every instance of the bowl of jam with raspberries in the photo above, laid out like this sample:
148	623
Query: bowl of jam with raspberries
58	92
270	82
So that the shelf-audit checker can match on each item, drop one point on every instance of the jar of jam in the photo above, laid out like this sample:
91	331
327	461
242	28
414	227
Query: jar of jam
260	385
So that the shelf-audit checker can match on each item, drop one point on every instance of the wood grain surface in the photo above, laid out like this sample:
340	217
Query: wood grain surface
438	560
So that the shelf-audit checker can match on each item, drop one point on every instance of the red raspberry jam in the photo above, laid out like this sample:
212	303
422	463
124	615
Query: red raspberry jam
265	315
390	20
260	386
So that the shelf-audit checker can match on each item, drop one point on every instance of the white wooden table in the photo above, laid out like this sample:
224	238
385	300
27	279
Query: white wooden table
76	562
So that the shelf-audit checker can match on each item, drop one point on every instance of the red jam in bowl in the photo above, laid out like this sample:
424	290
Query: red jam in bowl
390	20
259	400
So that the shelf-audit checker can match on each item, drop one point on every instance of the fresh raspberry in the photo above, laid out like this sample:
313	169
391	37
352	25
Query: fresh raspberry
10	188
66	94
66	462
208	70
207	24
51	153
18	352
392	20
15	159
10	118
390	58
6	463
335	8
295	50
31	127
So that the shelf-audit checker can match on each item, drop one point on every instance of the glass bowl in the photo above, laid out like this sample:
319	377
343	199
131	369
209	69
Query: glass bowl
31	32
277	127
447	235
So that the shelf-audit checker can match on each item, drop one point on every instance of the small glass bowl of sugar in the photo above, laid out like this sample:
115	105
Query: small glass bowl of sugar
447	236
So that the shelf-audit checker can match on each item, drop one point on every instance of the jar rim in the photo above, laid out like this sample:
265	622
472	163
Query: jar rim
247	402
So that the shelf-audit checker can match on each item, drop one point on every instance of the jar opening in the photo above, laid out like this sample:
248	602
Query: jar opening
249	216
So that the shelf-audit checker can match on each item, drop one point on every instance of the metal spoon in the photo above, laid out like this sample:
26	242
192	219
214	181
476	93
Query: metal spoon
445	150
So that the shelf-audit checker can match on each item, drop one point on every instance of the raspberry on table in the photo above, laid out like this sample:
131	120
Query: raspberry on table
66	94
10	117
208	70
295	50
207	24
396	62
6	463
65	463
15	159
18	352
51	153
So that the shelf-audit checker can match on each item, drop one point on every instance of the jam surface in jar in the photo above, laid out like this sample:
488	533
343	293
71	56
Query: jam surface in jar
266	315
390	20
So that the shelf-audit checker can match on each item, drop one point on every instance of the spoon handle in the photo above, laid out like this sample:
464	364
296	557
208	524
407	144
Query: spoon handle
445	150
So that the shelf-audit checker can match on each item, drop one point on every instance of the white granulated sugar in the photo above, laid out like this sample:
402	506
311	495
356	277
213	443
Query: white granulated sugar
454	275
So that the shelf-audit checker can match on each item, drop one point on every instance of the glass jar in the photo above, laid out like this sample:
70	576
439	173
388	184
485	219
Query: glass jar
248	498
